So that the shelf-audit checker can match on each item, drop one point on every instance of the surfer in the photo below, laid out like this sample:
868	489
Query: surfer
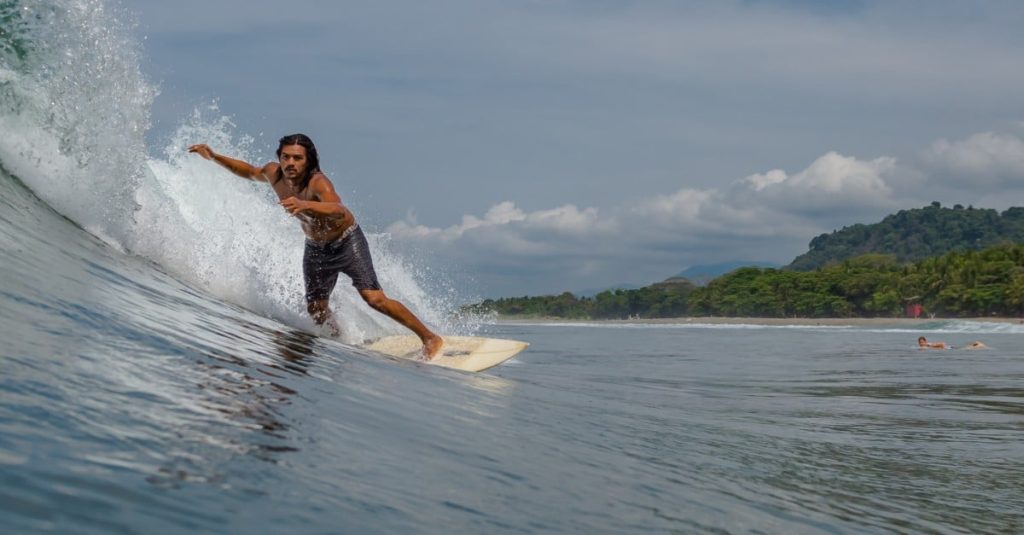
334	242
923	343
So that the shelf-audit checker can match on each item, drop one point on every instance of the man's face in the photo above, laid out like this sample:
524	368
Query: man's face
293	160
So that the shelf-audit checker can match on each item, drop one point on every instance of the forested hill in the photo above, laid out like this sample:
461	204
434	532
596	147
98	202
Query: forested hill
915	234
957	284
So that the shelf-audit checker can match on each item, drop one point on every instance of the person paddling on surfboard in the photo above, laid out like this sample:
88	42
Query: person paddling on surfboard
923	343
334	242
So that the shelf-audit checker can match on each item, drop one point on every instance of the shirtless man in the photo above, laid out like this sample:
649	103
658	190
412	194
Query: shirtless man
334	242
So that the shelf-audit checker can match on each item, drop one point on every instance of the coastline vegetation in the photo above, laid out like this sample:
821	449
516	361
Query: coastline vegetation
956	284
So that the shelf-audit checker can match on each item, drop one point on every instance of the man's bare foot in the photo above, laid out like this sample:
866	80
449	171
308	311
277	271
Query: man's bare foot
432	346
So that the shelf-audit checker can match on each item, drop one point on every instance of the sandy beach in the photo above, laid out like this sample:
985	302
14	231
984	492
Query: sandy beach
720	320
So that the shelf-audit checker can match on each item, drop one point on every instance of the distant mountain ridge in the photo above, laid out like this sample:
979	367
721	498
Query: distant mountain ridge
915	234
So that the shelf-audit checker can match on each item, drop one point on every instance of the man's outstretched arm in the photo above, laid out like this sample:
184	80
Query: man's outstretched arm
238	167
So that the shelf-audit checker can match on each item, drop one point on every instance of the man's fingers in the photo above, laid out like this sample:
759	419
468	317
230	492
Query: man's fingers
291	205
200	149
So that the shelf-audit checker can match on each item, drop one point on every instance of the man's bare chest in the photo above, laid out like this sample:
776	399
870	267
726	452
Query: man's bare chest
285	190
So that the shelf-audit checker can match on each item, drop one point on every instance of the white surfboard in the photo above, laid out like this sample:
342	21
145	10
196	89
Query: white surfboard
468	353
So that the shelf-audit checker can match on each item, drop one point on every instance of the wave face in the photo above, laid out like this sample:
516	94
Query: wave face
131	401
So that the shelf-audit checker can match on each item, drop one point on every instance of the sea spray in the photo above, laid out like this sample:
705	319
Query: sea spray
75	110
75	107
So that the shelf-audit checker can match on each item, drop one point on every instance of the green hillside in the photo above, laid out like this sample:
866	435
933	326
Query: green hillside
959	283
911	235
660	300
956	284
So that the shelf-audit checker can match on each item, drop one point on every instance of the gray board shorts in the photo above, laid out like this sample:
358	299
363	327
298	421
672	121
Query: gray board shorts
349	254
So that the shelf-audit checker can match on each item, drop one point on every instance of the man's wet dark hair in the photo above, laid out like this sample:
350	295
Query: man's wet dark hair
312	158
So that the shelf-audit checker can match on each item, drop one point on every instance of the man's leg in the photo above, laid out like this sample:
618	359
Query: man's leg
397	311
321	314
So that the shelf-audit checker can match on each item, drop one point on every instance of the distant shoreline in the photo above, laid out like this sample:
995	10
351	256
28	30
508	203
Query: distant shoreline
721	320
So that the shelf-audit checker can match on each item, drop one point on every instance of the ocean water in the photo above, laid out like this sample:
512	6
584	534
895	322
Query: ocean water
158	373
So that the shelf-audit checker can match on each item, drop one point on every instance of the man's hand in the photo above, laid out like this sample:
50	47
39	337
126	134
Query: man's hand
294	205
238	167
203	150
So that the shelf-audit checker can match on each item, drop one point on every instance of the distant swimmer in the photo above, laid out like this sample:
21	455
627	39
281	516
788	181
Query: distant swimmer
923	343
334	242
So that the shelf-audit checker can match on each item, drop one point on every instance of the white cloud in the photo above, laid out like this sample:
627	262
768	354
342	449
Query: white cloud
834	173
569	220
831	184
769	204
766	216
676	209
500	214
983	160
565	220
761	181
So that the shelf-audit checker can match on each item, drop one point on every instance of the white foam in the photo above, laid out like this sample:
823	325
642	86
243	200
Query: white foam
75	111
74	118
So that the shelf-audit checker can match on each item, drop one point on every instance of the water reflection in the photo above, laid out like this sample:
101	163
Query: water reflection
251	396
296	347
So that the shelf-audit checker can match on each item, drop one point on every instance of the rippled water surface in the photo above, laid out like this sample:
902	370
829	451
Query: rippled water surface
163	410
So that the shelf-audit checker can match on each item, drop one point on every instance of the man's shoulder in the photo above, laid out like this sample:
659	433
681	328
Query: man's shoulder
319	178
270	171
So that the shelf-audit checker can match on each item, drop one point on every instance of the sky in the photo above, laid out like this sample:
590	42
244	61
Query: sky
528	147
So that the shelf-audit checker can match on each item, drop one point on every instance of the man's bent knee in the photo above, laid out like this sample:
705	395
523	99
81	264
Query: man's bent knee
374	298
